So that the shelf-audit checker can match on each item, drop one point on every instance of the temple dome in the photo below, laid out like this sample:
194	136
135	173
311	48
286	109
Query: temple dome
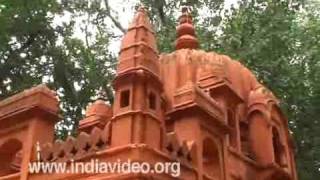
189	65
197	65
99	108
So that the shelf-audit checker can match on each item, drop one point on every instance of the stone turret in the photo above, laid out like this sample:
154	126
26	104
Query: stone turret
137	110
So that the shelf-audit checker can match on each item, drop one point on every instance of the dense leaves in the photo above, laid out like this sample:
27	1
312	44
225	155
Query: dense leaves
34	49
69	46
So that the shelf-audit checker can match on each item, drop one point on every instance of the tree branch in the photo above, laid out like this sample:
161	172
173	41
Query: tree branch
113	19
160	4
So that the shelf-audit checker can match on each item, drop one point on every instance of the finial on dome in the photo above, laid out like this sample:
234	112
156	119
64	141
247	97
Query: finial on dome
186	36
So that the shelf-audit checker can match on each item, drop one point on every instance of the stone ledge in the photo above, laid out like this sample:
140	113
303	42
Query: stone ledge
39	96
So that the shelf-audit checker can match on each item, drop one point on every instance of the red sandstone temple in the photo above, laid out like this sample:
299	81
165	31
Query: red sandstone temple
199	108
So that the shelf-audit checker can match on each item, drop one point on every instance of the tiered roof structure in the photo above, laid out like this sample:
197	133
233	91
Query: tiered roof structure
199	108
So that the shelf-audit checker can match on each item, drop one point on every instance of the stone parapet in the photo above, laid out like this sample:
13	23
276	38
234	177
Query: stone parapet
40	96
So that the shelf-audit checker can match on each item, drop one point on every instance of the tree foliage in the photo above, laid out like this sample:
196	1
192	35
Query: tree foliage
277	40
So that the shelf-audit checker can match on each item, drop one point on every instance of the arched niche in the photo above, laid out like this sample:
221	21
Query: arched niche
9	152
211	158
233	125
244	139
278	148
278	136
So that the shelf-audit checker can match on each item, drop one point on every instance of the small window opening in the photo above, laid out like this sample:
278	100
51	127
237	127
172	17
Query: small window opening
170	148
124	98
152	101
244	138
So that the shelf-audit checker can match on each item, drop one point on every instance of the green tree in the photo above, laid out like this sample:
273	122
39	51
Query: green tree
26	38
278	40
34	50
279	43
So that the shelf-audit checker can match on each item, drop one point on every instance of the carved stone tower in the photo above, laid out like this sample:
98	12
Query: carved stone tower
137	110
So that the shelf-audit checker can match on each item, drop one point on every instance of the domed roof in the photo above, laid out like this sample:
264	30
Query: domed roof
190	65
187	64
99	108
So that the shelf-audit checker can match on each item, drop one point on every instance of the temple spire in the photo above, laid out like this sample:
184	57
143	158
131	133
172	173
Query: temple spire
186	36
137	110
139	42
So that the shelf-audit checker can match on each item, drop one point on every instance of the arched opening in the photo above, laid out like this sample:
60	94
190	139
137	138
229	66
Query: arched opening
278	148
211	159
10	154
232	124
152	101
244	139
